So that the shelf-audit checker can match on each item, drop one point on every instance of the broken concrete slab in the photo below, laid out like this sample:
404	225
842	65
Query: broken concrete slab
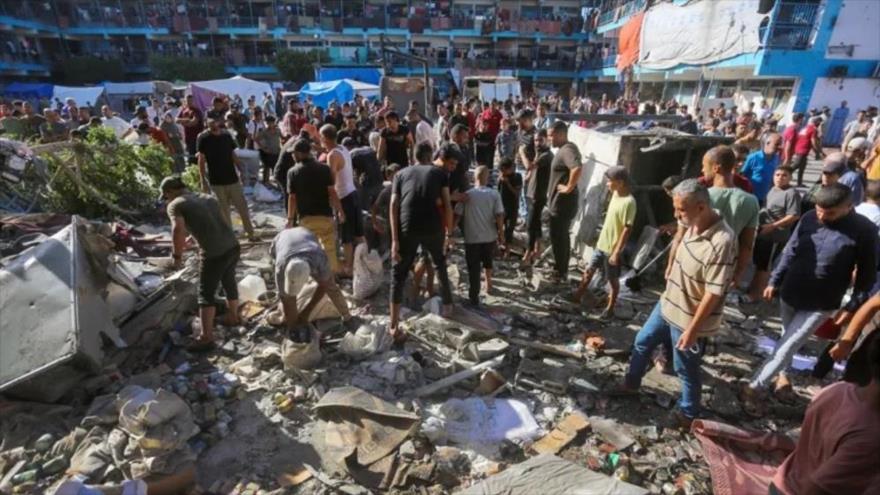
549	474
563	434
612	431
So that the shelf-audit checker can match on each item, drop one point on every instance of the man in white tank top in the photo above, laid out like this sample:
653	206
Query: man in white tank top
351	227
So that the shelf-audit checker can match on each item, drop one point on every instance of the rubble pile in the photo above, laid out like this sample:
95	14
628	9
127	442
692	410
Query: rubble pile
469	403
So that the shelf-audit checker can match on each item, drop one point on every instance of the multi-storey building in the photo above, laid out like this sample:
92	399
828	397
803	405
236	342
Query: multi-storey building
807	53
536	40
818	51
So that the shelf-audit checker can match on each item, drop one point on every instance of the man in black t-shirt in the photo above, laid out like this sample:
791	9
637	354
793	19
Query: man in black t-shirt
536	194
217	172
395	142
312	199
420	212
217	111
333	116
562	195
458	182
351	131
367	172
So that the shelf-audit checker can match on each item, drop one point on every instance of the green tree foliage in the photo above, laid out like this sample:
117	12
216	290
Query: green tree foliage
79	71
298	66
169	68
126	175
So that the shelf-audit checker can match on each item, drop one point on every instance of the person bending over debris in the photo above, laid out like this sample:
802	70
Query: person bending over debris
691	306
199	214
615	231
837	451
298	255
419	194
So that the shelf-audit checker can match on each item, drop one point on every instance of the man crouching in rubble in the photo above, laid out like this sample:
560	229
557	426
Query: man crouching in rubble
219	252
298	255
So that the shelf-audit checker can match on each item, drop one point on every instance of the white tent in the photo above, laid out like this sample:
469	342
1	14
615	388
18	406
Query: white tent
237	85
366	90
132	88
82	96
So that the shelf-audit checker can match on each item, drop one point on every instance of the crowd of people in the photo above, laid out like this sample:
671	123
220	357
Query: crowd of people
485	170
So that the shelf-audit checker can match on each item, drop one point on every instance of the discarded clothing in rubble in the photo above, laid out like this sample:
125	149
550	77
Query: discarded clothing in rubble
741	461
547	473
481	424
357	427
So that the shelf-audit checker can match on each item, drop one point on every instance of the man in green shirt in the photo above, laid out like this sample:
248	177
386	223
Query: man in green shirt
738	208
219	251
615	231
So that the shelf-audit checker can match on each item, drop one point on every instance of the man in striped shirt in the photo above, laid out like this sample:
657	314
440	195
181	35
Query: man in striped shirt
690	308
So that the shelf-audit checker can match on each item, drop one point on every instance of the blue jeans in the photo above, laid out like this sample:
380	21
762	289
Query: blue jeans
686	363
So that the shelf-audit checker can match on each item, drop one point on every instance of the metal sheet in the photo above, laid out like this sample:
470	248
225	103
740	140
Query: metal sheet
51	310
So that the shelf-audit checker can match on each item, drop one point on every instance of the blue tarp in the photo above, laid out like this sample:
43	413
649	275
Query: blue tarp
323	93
29	90
363	74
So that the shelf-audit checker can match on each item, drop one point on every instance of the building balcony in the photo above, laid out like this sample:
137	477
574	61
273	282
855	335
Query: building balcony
621	12
792	26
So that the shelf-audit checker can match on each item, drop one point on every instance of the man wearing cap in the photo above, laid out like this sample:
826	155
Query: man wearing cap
312	199
298	255
217	171
200	215
562	195
615	232
812	276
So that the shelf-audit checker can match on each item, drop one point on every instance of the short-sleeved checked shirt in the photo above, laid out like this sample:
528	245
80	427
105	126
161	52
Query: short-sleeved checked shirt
703	263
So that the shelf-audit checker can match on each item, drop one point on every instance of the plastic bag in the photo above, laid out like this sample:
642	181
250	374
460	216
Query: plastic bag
265	195
368	272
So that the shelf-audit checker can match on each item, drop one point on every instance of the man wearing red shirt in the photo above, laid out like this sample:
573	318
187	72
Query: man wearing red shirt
492	117
807	139
192	120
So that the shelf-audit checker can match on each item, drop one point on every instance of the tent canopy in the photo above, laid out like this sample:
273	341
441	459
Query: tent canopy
204	91
341	91
81	95
132	88
28	90
369	75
